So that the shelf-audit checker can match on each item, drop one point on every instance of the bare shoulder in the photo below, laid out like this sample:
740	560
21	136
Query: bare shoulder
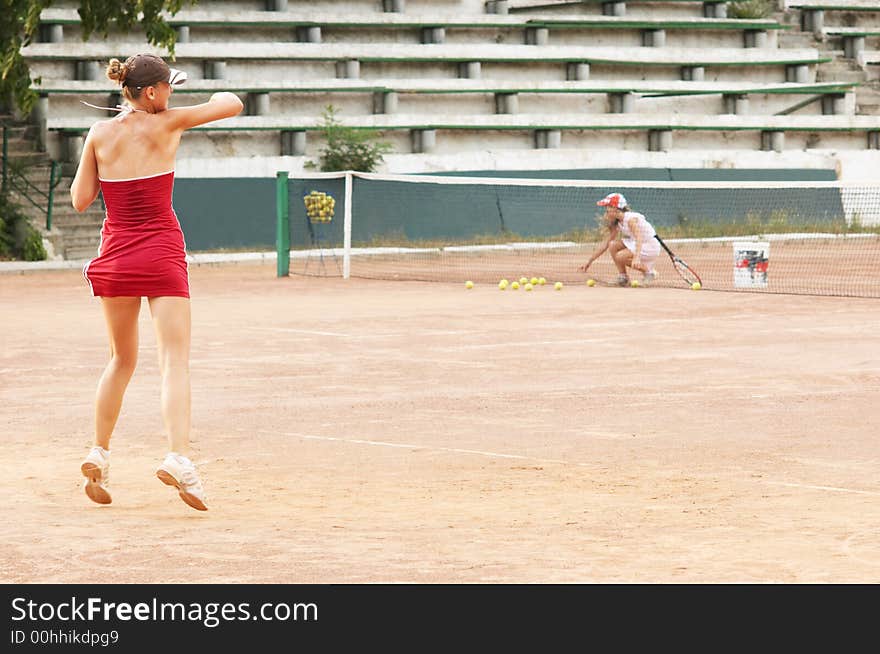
101	128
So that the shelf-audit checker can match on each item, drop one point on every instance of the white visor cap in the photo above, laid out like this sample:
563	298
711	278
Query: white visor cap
176	77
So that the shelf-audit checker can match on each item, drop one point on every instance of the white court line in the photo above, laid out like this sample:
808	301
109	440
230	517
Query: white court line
500	455
834	489
257	358
430	332
410	446
390	356
4	371
313	332
467	364
600	326
615	324
847	546
482	346
451	332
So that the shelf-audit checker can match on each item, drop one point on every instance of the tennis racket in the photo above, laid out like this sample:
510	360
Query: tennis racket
687	273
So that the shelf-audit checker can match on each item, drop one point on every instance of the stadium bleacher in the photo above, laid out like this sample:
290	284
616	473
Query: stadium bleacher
408	63
469	79
247	26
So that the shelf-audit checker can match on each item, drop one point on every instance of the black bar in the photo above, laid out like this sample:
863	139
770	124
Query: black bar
129	618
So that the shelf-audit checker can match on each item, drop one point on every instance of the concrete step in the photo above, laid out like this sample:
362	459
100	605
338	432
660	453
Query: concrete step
33	164
68	241
37	189
28	199
80	243
16	136
839	71
70	224
72	219
795	39
63	201
84	240
868	101
81	237
63	208
16	131
36	169
848	77
80	253
25	155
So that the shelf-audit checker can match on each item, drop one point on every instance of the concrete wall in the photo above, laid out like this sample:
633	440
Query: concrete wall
240	213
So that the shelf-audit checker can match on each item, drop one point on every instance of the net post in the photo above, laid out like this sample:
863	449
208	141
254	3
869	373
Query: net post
282	224
346	242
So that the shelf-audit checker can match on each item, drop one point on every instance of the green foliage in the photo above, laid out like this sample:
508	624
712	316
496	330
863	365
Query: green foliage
32	248
20	20
99	15
348	148
751	8
18	238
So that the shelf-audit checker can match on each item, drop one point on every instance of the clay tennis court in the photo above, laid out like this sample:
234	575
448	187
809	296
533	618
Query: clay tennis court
355	431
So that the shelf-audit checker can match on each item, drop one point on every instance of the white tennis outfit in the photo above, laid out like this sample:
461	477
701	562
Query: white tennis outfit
650	245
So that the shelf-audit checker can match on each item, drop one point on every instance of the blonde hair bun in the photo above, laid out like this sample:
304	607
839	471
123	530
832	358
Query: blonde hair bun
117	71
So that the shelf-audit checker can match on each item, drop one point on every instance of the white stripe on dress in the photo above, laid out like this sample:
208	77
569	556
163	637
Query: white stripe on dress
131	179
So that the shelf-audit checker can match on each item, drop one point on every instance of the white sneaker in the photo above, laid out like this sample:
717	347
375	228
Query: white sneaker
650	276
178	471
96	470
622	280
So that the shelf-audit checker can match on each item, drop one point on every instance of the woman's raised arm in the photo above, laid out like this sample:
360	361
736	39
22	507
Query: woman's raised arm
221	105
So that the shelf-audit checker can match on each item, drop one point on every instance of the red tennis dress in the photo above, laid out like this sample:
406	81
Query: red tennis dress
142	251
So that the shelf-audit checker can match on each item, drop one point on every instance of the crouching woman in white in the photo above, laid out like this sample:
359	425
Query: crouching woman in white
630	240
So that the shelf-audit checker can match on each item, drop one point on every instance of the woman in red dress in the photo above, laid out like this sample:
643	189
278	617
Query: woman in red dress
130	159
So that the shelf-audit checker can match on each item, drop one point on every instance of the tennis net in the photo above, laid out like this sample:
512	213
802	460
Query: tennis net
817	238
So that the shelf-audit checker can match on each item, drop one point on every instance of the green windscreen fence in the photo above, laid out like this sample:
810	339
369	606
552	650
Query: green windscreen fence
787	237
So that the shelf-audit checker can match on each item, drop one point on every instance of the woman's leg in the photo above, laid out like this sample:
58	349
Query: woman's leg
121	316
621	255
171	320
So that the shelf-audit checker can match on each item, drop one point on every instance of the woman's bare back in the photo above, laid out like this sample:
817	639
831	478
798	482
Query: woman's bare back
135	144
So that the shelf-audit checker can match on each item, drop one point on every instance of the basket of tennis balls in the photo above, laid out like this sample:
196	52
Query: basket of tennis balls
319	207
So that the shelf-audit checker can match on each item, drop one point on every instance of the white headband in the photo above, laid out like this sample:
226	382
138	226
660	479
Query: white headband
176	77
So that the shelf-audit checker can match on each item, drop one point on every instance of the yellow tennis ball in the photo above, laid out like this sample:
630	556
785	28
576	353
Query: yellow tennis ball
534	281
696	286
514	286
528	287
503	281
542	281
558	286
591	282
523	281
502	284
468	284
634	283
